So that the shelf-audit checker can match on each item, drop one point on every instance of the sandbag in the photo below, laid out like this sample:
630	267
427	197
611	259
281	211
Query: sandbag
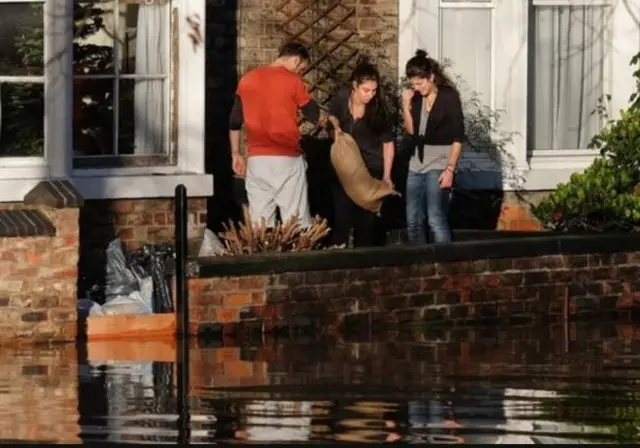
363	189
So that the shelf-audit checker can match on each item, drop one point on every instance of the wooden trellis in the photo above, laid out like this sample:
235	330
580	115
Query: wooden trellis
327	28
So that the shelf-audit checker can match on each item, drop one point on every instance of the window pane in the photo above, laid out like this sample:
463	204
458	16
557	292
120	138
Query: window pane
470	57
21	39
22	120
93	39
93	117
143	38
143	123
566	75
132	48
138	37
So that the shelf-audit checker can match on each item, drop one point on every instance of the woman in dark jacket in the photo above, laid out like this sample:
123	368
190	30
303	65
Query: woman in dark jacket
433	118
361	111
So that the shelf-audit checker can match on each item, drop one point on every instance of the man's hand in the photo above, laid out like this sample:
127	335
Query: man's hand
239	164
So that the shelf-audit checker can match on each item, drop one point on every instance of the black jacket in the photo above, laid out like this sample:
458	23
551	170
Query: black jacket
445	124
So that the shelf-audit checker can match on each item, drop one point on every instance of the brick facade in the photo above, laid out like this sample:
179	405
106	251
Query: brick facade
259	38
341	292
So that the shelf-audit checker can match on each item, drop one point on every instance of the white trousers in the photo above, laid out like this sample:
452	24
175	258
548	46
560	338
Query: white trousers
277	181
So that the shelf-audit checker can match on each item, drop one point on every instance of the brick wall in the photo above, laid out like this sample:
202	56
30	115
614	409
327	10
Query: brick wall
40	395
38	280
136	222
259	38
460	292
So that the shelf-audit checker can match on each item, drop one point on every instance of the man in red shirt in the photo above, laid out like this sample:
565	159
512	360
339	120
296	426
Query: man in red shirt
267	102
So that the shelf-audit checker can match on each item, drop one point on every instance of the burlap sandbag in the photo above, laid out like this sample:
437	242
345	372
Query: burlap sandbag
354	177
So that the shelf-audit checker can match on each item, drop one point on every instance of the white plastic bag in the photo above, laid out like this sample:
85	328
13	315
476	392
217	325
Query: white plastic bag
211	245
135	303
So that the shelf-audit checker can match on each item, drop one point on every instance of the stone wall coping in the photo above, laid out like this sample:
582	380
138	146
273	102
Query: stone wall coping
55	193
402	255
25	223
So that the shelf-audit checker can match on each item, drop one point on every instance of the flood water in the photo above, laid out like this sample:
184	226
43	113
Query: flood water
545	384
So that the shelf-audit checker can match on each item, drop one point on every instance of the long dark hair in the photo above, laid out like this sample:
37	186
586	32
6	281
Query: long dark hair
422	66
376	112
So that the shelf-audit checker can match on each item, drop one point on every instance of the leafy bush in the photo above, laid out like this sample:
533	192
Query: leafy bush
605	197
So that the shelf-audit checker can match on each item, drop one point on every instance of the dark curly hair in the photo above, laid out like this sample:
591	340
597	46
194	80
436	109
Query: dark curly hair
422	66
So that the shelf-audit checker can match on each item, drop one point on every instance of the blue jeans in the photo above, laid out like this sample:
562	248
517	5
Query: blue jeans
427	202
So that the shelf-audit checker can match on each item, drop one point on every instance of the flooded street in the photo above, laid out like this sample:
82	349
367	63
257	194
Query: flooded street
543	384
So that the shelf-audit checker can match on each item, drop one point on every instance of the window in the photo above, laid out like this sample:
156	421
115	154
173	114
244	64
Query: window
122	65
569	46
22	88
471	59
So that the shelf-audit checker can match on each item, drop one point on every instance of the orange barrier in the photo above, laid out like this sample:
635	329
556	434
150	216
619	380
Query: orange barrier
109	328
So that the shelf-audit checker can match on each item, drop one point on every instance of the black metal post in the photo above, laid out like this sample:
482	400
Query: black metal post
182	314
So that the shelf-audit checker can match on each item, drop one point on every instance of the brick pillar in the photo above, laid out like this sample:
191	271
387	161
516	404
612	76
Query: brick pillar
39	264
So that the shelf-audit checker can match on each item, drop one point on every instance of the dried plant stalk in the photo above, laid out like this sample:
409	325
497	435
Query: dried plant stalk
254	238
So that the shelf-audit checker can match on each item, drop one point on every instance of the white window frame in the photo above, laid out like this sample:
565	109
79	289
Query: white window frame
16	167
18	175
541	169
580	156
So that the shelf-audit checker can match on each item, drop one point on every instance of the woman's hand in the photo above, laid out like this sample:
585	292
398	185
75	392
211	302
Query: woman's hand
336	126
387	180
446	179
407	96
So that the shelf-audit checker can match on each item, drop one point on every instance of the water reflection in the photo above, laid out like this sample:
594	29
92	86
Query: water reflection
499	386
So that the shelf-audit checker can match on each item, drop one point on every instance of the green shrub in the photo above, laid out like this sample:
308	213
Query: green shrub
605	196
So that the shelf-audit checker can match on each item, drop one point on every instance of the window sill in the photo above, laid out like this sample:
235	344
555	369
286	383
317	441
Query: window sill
118	187
545	170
